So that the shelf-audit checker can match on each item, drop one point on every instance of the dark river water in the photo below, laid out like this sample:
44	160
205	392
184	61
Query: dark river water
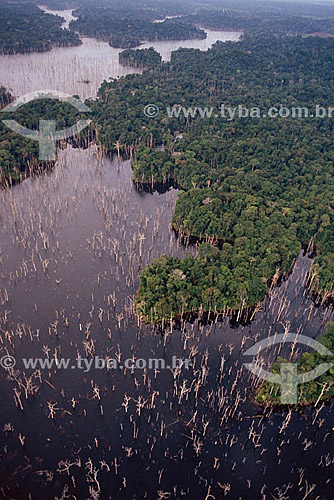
72	244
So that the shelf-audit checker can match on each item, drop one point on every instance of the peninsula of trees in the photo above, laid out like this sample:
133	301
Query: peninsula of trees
140	58
18	155
26	28
127	32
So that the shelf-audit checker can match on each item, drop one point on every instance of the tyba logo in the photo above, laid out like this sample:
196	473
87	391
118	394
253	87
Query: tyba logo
47	135
288	379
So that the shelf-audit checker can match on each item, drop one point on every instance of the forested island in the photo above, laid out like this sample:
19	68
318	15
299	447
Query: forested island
140	58
141	9
26	28
18	155
127	32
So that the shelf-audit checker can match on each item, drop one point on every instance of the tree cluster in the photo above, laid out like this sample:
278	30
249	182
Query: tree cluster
140	58
130	32
26	28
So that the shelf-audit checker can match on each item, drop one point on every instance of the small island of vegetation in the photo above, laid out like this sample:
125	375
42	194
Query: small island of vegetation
18	155
140	58
129	32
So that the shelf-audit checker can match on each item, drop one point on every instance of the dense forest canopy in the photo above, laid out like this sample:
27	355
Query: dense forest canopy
262	187
253	191
26	28
267	18
251	17
141	9
158	9
116	23
130	32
